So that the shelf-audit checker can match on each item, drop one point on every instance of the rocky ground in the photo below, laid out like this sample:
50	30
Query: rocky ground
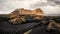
27	24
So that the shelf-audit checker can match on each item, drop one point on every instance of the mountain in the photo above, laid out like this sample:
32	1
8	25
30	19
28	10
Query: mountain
22	11
16	14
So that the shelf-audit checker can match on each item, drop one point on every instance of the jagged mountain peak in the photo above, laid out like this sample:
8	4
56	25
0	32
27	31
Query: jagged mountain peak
25	11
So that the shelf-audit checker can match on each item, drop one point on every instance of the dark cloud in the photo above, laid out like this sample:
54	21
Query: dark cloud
49	2
55	1
39	4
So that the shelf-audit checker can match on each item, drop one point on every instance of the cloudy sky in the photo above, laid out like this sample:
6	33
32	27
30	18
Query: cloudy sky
48	6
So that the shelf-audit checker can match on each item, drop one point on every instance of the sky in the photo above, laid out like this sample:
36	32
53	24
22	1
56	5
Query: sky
47	6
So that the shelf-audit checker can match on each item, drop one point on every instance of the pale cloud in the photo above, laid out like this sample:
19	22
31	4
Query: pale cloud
51	9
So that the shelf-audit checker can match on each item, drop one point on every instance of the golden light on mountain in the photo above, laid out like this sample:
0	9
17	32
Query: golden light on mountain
23	11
